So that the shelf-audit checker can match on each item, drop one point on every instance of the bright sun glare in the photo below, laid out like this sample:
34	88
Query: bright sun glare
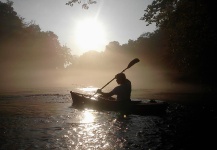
90	35
88	117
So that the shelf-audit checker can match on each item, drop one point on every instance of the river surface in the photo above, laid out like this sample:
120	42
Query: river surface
31	120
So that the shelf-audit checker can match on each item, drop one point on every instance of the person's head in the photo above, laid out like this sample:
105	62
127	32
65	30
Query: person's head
120	78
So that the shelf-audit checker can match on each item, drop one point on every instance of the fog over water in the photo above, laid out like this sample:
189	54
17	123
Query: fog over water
142	76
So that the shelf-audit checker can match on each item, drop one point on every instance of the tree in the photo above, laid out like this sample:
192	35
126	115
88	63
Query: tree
10	23
185	38
27	53
188	26
85	5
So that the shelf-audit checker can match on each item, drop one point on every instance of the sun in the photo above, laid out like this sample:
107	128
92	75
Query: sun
90	35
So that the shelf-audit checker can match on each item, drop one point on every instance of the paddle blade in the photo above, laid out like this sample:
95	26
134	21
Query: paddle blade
134	61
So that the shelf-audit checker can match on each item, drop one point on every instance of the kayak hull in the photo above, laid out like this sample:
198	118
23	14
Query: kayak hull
135	106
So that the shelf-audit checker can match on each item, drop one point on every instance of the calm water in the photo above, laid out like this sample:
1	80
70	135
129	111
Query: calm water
46	120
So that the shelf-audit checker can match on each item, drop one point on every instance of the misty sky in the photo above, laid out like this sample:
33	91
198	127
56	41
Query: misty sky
119	20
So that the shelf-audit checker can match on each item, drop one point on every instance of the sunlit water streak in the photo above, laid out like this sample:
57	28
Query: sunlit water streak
48	121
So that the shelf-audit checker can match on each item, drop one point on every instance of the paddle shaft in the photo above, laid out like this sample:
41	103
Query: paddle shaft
136	60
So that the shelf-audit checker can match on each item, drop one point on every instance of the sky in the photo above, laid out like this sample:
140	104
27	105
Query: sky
115	20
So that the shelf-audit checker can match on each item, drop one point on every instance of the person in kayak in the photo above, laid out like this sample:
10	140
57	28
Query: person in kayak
123	91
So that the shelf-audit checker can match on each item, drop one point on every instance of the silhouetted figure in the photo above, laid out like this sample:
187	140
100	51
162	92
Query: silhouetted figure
123	91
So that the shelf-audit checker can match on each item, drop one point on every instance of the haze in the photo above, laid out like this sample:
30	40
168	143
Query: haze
33	58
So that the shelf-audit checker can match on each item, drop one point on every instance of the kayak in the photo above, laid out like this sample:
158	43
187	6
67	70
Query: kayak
135	106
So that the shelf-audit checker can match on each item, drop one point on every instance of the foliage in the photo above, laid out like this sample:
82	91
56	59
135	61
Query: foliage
188	27
10	23
27	41
85	5
185	40
25	50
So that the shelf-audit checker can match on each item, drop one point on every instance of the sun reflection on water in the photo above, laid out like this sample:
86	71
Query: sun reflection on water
88	90
89	134
96	130
91	91
87	117
93	129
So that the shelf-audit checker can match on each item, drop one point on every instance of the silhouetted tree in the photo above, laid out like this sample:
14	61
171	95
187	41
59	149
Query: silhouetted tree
185	39
188	26
85	4
26	51
10	23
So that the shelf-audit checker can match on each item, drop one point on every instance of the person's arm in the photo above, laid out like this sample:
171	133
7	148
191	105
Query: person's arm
105	94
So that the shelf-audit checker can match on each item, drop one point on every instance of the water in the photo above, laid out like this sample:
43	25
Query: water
45	119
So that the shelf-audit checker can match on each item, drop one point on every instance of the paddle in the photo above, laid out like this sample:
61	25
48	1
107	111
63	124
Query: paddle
133	62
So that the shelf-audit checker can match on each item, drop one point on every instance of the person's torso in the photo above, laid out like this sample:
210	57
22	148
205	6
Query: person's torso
123	91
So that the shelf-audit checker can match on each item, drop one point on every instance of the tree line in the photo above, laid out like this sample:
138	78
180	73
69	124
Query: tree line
185	39
27	54
184	42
